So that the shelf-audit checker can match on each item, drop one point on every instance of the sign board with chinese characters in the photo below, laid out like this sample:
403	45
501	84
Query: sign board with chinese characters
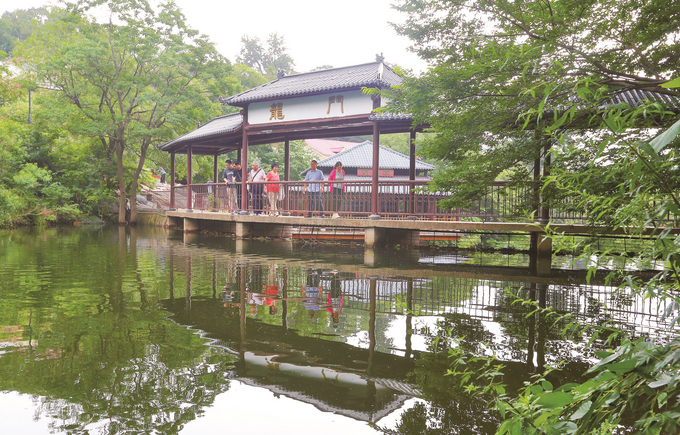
331	105
369	172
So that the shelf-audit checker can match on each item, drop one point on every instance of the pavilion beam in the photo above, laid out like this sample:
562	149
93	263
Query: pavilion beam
172	181
375	212
189	181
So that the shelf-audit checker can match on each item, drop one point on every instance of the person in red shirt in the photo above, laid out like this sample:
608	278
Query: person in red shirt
273	189
337	188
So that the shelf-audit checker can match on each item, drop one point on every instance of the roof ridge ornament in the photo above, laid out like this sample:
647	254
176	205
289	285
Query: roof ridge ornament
280	74
381	61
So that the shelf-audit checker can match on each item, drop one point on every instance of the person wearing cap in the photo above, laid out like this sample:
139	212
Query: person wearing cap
313	190
256	180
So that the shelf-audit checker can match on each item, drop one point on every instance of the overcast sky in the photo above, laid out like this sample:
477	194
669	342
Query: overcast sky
342	33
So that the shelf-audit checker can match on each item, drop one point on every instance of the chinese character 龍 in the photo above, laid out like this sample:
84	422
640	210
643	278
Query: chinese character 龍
276	111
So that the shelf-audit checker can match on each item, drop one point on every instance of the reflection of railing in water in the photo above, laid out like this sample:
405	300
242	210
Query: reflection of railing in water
478	298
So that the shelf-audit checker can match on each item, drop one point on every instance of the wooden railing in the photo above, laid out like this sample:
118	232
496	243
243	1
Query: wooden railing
396	200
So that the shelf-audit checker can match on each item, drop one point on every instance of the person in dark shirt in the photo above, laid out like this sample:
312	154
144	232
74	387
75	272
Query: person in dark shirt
238	177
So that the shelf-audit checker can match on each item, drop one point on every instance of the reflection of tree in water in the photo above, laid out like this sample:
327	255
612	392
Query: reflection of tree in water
450	410
143	395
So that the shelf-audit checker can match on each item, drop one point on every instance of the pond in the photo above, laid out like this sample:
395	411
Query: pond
141	330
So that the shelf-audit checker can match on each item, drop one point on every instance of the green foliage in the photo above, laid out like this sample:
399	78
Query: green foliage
512	81
500	68
18	25
129	83
267	61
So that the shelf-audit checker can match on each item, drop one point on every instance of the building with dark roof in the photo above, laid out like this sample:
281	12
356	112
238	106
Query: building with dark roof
358	163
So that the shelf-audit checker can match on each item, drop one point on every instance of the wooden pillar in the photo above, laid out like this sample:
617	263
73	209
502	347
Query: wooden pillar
244	162
412	172
172	181
286	172
189	156
375	212
215	181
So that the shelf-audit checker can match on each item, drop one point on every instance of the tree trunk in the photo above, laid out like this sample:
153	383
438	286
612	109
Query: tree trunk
121	186
134	216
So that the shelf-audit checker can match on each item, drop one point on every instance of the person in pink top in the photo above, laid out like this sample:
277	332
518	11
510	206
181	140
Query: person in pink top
273	189
337	188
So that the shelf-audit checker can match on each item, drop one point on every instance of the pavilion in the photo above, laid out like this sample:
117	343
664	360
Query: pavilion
321	104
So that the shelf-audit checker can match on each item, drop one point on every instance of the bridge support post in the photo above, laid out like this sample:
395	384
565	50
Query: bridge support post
191	225
173	222
242	229
540	254
391	236
374	237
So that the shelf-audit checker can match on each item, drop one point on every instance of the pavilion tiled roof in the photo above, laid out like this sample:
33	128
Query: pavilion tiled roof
214	127
375	74
361	156
636	96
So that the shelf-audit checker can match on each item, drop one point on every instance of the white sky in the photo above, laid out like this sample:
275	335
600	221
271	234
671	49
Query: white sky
343	33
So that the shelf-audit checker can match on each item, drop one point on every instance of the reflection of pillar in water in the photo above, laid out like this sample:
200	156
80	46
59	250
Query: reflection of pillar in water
172	273
190	238
532	330
188	290
240	245
409	317
371	323
284	302
369	257
214	277
244	298
542	326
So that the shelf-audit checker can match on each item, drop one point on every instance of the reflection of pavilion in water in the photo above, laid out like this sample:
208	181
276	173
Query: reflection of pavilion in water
278	352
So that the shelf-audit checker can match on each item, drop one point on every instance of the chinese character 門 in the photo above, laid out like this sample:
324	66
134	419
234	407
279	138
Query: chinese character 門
334	99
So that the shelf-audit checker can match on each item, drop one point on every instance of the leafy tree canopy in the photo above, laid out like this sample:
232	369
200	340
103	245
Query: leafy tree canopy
495	61
266	60
17	25
133	81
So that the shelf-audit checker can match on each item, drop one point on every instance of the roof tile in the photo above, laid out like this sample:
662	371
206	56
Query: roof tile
366	75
